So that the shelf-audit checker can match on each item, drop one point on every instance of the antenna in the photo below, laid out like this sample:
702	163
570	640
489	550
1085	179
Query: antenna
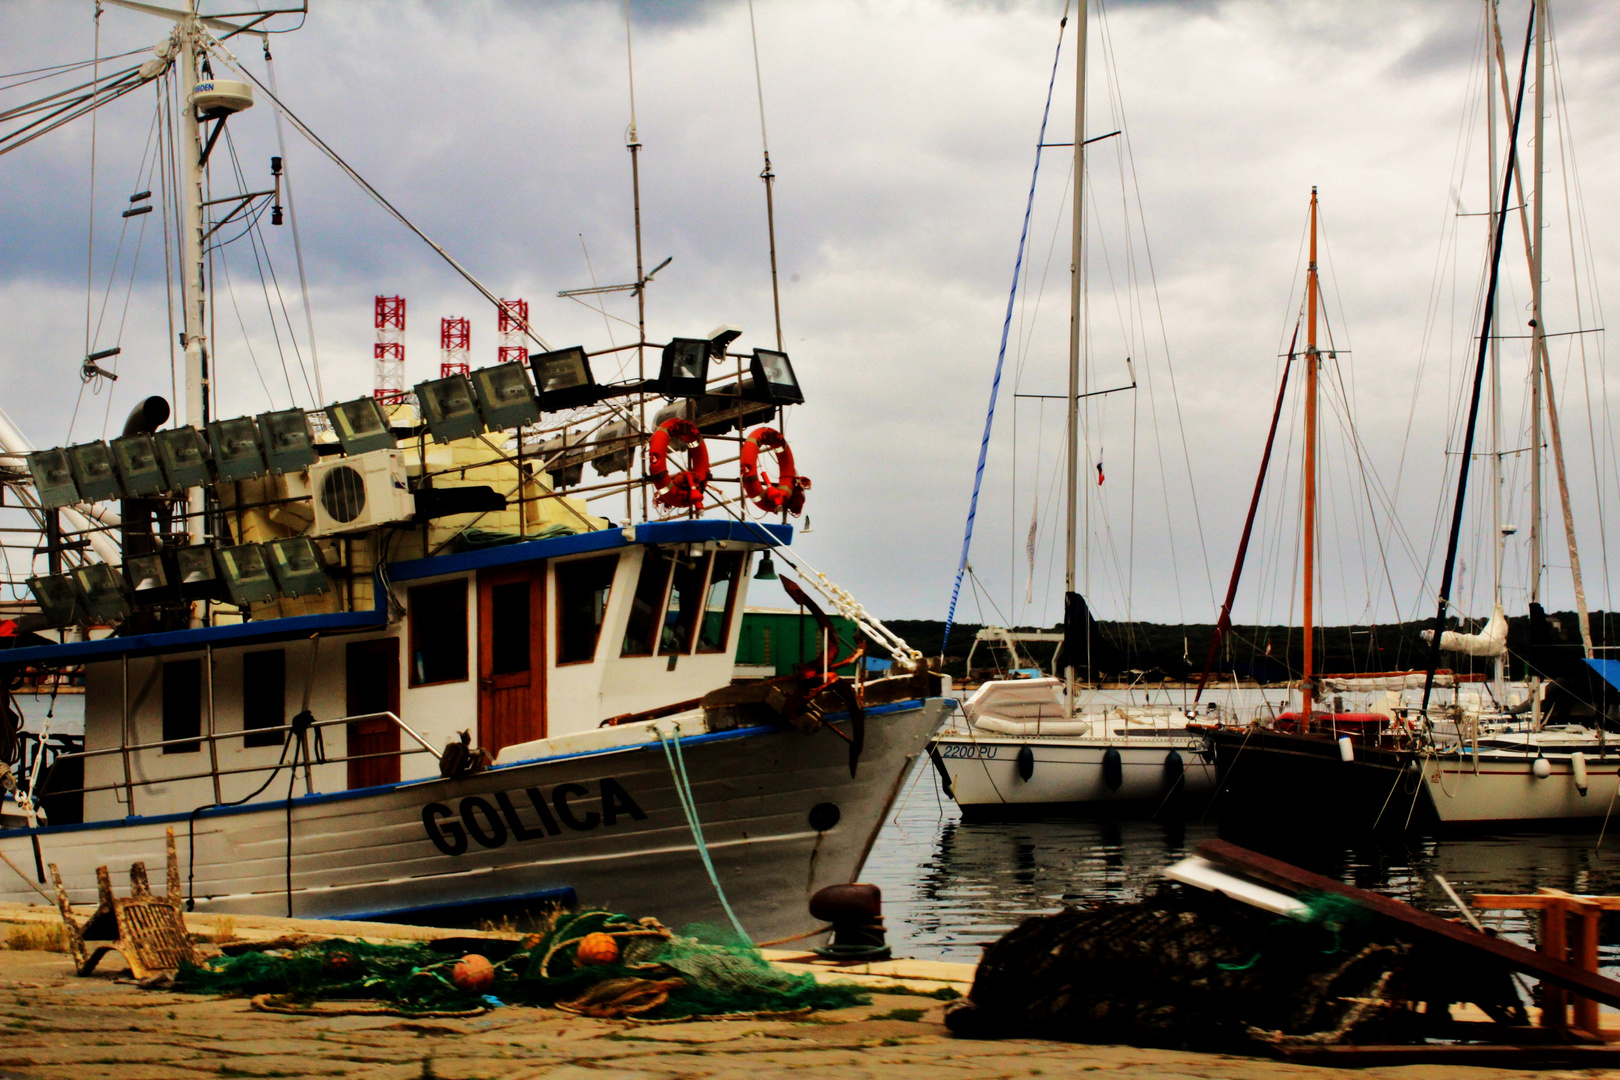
455	340
513	316
389	351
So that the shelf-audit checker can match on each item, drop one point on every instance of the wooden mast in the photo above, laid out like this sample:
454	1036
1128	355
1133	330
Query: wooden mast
1311	361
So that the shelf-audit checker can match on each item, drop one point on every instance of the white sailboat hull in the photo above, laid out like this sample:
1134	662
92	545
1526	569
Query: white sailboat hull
1504	788
1069	772
595	828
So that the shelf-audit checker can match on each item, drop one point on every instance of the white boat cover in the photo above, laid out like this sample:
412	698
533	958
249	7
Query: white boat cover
1408	680
1020	700
1490	641
1033	727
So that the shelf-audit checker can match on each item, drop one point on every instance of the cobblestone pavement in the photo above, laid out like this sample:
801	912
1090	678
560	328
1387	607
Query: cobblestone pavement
54	1026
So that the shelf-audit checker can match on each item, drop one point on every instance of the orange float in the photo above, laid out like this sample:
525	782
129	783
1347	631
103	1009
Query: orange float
787	491
684	488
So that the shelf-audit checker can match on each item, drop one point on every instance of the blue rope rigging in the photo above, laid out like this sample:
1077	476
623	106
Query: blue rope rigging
1001	355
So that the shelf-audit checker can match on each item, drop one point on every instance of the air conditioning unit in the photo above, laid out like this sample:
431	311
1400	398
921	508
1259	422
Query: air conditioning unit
360	492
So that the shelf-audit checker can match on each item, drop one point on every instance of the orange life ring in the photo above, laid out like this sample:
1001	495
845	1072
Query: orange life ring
684	488
788	489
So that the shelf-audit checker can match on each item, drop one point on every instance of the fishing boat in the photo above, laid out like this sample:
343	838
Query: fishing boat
392	658
1487	757
1048	743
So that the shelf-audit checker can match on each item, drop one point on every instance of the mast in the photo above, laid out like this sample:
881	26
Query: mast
1071	511
193	287
1499	541
633	142
1537	344
1312	358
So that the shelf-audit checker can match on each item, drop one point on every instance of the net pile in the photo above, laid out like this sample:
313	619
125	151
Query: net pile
656	974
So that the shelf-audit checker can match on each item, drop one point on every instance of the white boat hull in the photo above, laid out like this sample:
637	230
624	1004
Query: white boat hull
601	828
1504	788
1068	772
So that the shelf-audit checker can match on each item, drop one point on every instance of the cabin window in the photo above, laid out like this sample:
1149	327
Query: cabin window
182	705
438	615
264	697
685	598
715	630
509	627
647	603
582	598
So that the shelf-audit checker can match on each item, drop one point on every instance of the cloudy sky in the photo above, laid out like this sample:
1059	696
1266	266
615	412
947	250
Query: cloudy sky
903	136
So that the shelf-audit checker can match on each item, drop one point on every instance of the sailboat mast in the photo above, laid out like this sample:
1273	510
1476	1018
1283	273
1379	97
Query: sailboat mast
193	290
1499	541
1535	308
1311	361
1072	510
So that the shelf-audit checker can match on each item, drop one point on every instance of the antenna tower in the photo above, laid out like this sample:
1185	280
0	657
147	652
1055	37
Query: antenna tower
514	316
390	349
455	337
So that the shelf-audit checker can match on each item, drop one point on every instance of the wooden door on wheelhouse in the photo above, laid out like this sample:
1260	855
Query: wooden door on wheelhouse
372	686
511	656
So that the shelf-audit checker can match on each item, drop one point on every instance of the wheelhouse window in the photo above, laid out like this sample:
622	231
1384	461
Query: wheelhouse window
646	608
438	618
182	705
685	600
583	586
264	697
715	629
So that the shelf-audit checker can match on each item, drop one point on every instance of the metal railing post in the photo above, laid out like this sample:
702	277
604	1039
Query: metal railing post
129	786
213	745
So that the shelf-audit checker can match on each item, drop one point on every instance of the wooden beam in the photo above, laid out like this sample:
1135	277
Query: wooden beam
1556	972
1538	901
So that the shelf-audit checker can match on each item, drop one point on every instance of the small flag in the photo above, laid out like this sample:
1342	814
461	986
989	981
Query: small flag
1099	474
1268	648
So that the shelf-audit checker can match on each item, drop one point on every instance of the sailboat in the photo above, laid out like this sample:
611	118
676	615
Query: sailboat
1478	759
1033	744
374	660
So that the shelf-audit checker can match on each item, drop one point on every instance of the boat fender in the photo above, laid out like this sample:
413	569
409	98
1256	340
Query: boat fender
1577	764
1026	763
1174	767
1347	748
1113	769
1541	767
787	492
684	488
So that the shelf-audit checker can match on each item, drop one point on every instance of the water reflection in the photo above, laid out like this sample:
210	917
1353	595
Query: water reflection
950	886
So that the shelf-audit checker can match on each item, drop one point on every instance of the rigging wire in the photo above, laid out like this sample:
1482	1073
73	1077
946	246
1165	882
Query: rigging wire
292	219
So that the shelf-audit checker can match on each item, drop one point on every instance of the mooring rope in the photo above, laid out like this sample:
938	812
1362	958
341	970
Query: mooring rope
683	794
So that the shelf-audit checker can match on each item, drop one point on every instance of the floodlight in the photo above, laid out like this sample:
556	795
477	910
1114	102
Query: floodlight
237	454
361	426
685	370
505	397
289	444
135	459
92	467
53	478
58	599
563	378
102	591
151	579
774	380
448	408
184	457
198	575
247	574
298	566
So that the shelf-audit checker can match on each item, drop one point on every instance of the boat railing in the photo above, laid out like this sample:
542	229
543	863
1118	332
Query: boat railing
301	759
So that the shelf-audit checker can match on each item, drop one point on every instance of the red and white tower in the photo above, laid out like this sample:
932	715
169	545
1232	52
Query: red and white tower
390	349
514	316
455	338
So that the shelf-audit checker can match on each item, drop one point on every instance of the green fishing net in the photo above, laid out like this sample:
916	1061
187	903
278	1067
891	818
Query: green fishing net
658	975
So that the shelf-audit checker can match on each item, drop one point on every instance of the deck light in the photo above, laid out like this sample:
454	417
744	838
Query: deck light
53	478
685	368
102	590
361	426
564	379
767	569
505	397
198	574
448	408
289	444
150	578
247	574
58	599
184	457
235	444
92	467
298	566
774	380
135	459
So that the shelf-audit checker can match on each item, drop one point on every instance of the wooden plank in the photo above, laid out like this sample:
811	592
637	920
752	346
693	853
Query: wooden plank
1484	1055
1557	972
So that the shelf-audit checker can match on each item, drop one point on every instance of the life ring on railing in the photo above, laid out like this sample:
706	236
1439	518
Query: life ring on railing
684	488
788	489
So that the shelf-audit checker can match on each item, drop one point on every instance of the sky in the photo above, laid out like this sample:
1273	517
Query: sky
903	136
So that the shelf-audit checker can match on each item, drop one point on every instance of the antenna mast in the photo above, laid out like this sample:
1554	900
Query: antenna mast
1312	359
